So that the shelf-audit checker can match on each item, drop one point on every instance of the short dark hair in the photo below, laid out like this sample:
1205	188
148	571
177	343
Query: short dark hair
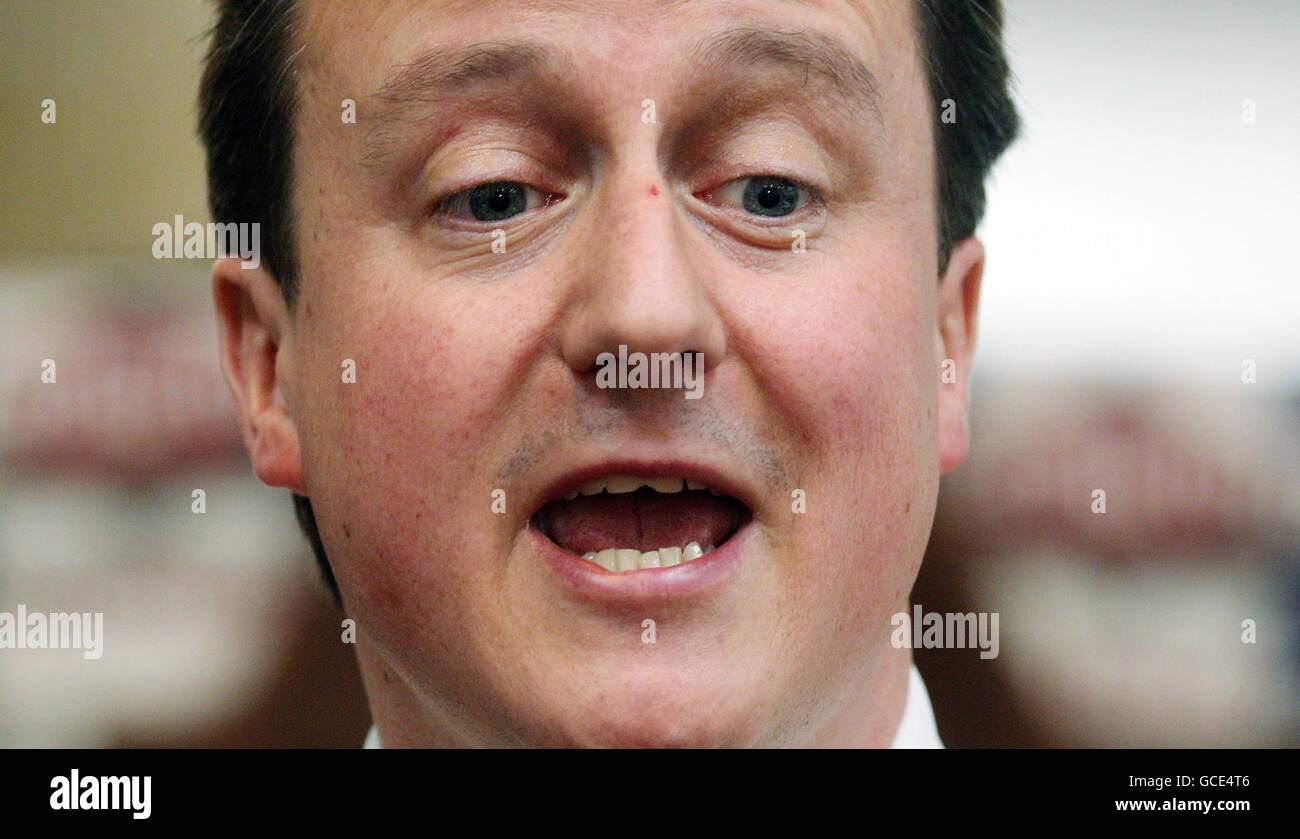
967	67
247	104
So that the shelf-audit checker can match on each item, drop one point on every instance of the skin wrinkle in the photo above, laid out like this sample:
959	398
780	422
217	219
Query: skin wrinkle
475	370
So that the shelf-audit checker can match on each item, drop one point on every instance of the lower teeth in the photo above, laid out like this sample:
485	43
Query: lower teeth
612	559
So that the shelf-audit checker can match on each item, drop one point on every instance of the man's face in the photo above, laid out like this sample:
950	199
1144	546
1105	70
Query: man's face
707	177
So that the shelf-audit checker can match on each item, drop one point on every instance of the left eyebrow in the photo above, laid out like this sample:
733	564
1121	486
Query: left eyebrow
813	54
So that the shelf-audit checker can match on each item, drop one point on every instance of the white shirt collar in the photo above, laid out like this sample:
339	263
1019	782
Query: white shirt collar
916	731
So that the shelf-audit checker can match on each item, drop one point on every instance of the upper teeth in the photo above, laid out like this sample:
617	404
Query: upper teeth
618	484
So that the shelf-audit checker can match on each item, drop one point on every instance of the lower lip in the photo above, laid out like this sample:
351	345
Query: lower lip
689	580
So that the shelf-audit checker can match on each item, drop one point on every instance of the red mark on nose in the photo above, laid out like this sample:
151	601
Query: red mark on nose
654	190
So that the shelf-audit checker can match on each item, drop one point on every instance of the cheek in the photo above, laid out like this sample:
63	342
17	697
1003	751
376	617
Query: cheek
846	361
851	369
395	455
396	405
432	360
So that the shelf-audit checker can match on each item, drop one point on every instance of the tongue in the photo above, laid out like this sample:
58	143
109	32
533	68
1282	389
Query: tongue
645	520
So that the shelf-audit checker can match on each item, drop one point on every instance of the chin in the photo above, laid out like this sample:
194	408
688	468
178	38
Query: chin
665	713
678	728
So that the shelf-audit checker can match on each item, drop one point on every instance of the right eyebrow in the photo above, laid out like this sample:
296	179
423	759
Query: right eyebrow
441	71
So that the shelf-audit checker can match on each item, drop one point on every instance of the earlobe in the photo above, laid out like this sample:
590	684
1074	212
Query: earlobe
958	307
254	325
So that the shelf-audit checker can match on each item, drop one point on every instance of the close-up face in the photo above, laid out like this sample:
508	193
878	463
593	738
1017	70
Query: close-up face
527	186
607	371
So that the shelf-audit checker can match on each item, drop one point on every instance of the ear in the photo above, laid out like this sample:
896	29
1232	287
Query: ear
257	357
958	305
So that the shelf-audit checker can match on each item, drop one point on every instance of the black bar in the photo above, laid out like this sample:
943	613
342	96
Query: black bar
330	788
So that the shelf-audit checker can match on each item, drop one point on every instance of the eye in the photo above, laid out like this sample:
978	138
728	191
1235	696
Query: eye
495	201
766	195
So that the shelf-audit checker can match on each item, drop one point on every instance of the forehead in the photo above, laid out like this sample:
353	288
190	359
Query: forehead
357	48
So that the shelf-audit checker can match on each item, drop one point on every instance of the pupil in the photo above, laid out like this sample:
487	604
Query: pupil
494	202
771	197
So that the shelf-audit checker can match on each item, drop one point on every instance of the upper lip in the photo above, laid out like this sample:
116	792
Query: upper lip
713	477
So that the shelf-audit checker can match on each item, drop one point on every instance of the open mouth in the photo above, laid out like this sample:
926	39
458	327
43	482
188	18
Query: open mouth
627	523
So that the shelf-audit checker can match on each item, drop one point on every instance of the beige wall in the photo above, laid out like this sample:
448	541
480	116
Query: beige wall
123	154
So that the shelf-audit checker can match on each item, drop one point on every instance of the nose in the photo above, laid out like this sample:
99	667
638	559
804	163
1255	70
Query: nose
637	285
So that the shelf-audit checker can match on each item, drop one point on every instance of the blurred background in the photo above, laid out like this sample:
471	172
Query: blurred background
1139	335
